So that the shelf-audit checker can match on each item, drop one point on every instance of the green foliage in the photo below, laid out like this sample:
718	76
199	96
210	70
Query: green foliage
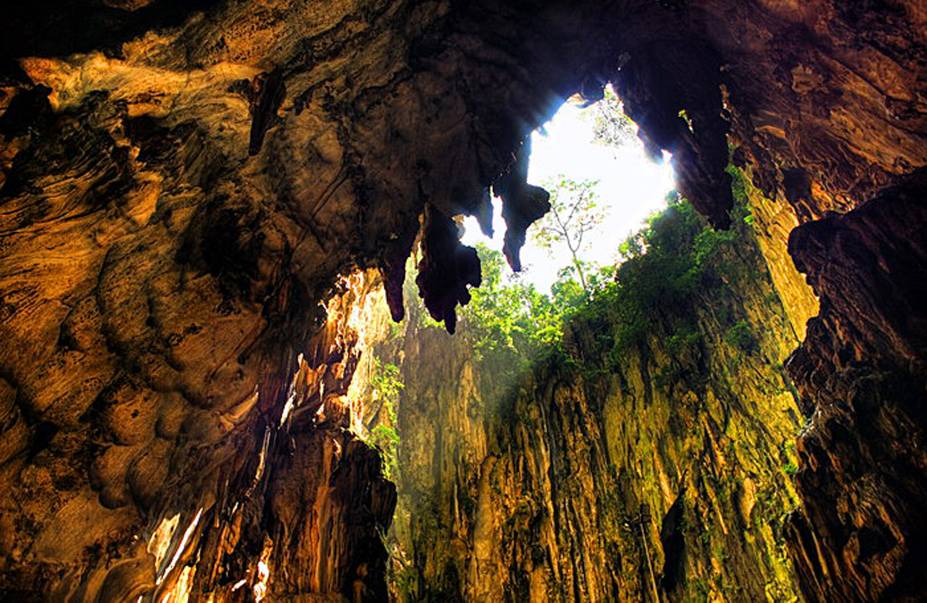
386	440
681	341
385	382
574	212
708	242
611	127
667	263
740	335
739	184
631	247
574	209
395	330
386	387
675	257
506	317
740	188
790	467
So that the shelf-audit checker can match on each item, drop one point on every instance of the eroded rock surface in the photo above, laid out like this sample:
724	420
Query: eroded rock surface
529	487
862	373
182	184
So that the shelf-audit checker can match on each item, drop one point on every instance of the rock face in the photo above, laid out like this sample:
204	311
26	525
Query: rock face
271	497
183	182
532	488
862	372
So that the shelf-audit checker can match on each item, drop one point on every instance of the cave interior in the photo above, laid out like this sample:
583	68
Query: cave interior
207	214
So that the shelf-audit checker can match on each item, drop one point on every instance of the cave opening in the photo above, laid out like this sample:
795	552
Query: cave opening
590	158
196	404
637	339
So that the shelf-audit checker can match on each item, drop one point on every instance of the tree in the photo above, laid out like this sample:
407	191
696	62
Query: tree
574	211
507	316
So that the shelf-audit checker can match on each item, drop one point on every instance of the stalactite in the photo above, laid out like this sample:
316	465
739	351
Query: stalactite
183	183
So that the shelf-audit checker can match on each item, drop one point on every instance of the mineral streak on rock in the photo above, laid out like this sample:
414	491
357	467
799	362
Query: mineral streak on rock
166	236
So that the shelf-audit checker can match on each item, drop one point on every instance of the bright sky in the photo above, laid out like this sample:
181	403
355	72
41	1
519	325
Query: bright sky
630	188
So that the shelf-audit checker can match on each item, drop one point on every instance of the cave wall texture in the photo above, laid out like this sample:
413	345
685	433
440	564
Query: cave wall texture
183	183
528	487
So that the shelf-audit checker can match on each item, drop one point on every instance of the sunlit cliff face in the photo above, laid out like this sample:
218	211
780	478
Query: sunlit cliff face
608	461
183	185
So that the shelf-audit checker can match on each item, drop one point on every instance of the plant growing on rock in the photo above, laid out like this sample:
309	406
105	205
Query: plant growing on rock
386	386
610	125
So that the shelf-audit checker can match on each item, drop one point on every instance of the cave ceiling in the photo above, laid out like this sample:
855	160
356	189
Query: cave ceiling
182	184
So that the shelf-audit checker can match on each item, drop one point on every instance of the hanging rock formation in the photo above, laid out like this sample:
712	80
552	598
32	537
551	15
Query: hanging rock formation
183	183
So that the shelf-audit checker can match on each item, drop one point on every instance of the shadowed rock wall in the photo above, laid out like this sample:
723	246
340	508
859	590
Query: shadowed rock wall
861	371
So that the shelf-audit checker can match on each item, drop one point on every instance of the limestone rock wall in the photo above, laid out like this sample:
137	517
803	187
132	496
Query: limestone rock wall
861	371
184	182
533	489
773	221
176	206
273	498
